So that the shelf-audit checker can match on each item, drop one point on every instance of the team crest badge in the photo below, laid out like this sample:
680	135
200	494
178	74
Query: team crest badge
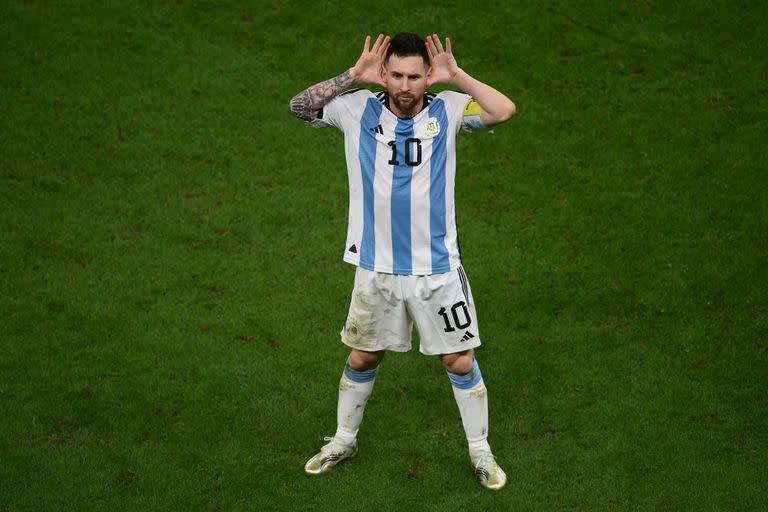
432	127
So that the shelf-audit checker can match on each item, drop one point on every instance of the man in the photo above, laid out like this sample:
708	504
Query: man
400	149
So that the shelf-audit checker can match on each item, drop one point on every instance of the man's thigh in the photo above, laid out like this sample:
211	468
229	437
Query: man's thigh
377	318
443	310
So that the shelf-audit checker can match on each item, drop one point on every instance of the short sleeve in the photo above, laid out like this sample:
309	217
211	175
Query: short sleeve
343	109
328	115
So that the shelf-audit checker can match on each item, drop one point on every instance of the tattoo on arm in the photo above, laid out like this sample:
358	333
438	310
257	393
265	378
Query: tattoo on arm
308	102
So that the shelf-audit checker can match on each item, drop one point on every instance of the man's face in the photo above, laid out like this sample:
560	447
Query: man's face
406	79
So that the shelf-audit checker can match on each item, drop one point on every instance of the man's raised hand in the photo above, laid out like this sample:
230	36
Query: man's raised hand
367	70
442	61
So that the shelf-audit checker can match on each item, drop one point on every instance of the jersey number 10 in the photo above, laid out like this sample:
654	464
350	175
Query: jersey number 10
458	311
412	145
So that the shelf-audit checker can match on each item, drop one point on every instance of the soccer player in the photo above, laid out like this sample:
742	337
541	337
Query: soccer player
400	148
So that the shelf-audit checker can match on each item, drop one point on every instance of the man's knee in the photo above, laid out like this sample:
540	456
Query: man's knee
361	360
459	363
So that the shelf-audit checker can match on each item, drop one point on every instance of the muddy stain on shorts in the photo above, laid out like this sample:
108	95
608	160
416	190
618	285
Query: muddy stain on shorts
360	320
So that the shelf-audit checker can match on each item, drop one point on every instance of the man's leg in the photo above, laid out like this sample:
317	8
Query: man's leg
472	398
355	388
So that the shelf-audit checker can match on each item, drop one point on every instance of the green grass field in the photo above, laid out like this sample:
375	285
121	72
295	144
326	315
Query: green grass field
171	284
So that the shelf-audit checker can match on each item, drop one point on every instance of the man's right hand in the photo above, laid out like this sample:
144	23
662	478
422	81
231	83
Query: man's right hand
368	68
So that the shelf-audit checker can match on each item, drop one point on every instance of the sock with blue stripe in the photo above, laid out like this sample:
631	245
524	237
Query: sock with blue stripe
472	398
355	388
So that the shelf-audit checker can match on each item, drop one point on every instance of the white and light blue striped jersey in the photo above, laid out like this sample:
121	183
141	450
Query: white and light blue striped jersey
401	174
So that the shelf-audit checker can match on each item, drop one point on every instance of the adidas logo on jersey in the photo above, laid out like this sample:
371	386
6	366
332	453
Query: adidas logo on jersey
467	336
353	249
378	129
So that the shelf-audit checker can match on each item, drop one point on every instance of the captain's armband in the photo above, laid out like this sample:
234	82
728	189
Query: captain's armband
470	117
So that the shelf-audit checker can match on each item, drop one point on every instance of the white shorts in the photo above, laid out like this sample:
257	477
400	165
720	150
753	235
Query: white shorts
384	308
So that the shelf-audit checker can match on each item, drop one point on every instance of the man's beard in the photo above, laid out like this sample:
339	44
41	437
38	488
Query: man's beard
406	103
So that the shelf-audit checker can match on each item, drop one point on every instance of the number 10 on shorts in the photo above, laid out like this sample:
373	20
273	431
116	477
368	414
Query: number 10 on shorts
459	315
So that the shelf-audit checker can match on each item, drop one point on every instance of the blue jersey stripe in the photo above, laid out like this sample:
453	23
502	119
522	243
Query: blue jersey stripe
437	225
401	199
367	157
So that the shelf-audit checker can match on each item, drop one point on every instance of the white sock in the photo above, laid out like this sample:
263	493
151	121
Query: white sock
472	398
355	388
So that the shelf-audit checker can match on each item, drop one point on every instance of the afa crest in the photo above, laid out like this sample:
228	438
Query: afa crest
431	128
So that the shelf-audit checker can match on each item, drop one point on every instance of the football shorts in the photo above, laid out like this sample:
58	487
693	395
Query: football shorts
385	307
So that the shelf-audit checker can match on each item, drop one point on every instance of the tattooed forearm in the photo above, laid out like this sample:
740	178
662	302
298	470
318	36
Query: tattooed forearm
306	104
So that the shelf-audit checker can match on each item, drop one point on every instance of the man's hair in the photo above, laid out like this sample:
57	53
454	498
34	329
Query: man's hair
406	44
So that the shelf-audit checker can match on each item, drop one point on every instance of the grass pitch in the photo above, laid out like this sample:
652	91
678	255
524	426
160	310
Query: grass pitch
171	287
